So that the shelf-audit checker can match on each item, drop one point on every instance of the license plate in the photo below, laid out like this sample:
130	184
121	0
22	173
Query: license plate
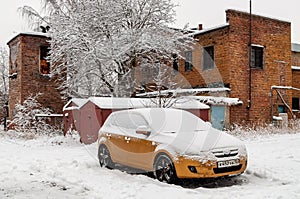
228	163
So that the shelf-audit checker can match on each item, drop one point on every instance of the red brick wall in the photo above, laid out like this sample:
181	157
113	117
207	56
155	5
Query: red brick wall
29	80
275	36
232	63
220	73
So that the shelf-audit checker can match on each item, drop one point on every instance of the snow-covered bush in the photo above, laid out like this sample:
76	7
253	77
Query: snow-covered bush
250	132
27	124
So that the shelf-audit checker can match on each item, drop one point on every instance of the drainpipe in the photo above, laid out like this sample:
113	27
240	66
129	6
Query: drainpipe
250	65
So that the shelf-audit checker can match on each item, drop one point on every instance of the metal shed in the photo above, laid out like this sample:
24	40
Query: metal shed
87	115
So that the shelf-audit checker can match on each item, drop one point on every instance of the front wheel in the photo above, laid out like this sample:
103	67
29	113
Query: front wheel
104	157
164	169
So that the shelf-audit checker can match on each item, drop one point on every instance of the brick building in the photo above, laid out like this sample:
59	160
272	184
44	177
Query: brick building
223	56
29	72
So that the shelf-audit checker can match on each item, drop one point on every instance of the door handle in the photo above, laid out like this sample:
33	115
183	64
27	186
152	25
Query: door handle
127	139
108	135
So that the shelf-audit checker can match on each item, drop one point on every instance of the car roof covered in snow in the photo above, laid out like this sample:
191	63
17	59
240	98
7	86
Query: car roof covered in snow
166	119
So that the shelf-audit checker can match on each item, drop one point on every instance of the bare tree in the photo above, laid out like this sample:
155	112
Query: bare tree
98	42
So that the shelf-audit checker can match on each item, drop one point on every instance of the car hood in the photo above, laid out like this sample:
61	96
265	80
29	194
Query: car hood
197	141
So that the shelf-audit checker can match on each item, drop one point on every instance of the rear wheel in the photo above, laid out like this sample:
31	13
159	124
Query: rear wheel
104	157
164	169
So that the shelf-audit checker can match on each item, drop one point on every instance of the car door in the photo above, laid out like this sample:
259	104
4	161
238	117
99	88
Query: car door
135	149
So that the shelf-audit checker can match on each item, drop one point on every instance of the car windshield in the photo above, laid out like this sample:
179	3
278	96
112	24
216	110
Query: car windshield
174	121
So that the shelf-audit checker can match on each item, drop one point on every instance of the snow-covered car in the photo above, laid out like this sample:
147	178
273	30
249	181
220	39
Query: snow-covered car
171	143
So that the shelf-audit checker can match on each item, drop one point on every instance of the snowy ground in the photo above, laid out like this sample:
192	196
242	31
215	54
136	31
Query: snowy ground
62	168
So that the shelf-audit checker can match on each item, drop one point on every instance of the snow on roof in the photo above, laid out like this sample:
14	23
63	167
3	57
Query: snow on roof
124	103
186	103
48	115
295	47
295	67
211	100
198	32
39	34
79	102
119	103
192	91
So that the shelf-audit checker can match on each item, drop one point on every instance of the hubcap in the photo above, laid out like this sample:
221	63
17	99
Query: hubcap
164	170
103	157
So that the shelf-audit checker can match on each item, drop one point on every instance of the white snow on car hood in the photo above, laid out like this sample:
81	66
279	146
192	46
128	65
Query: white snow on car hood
197	141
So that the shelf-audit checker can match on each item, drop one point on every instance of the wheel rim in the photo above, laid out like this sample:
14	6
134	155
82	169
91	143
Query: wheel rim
104	157
164	170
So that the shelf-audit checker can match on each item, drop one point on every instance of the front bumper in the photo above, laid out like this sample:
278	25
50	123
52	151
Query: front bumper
189	168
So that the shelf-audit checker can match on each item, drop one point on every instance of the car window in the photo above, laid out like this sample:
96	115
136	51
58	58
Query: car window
129	121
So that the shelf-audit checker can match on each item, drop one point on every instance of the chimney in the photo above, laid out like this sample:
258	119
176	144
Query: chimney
200	27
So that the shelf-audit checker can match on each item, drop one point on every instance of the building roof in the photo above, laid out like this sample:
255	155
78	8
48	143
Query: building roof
34	34
295	47
199	32
257	15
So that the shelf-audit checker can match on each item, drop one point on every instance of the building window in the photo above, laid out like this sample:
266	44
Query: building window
208	57
257	57
281	109
175	63
188	64
295	103
44	64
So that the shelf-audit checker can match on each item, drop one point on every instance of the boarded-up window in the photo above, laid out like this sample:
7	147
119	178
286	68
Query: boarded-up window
188	64
295	103
208	57
44	64
257	57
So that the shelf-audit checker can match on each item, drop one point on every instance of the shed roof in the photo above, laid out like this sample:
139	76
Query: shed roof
124	103
127	103
79	102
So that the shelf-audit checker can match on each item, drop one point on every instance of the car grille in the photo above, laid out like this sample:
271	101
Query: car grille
226	153
227	169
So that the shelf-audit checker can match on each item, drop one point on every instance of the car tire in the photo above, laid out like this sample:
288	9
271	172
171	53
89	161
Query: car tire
164	169
104	157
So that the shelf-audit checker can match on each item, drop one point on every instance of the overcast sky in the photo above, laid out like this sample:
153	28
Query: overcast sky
207	12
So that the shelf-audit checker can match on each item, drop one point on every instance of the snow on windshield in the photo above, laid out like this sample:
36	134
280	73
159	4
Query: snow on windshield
168	120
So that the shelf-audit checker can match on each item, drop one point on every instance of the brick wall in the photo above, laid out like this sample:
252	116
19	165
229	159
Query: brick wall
296	59
275	37
25	61
199	77
232	64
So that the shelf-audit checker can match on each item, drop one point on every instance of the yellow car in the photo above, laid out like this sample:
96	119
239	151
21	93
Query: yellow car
171	143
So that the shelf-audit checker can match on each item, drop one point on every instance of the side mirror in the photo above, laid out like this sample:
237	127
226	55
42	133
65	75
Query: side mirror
143	130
